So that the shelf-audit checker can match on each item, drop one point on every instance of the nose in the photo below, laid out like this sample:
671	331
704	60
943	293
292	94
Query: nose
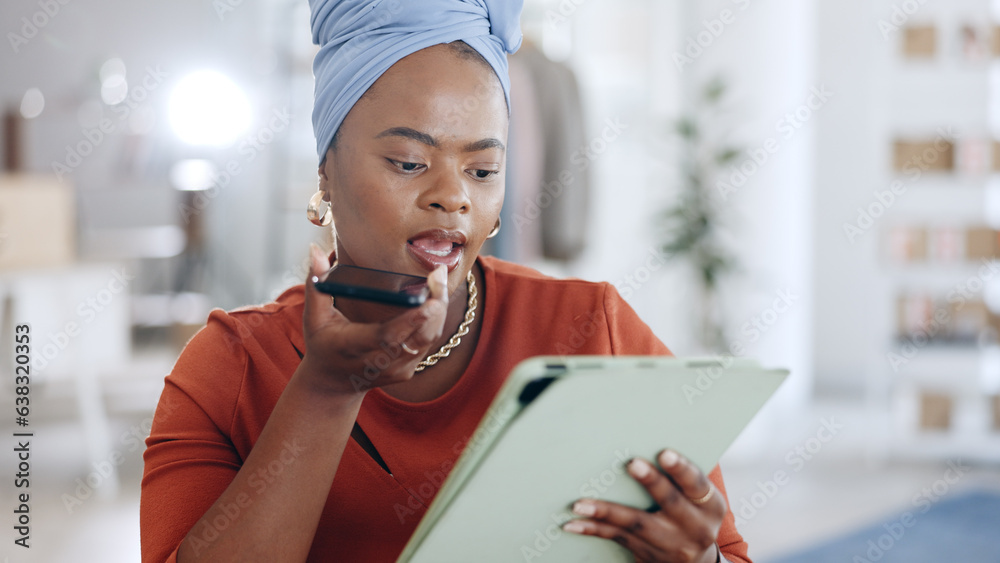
447	192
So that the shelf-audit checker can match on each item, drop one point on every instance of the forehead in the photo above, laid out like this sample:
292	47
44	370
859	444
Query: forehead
438	91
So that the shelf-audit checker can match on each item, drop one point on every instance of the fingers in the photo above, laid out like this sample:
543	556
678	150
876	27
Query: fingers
420	328
692	483
435	311
374	349
670	499
680	530
648	537
438	283
315	302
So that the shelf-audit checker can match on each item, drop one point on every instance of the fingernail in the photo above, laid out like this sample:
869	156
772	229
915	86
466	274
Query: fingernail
574	526
669	458
639	468
584	508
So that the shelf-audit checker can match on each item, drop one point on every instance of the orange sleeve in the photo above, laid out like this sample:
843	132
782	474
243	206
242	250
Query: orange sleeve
189	458
631	336
731	543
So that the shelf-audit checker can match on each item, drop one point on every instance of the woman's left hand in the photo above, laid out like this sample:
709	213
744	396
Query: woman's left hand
683	529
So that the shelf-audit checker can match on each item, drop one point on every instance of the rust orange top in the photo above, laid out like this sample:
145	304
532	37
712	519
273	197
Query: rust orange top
228	379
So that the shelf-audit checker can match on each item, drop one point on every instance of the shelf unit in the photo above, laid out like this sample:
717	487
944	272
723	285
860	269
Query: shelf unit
938	397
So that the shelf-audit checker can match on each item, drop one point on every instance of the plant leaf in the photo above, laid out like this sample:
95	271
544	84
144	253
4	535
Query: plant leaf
726	155
687	129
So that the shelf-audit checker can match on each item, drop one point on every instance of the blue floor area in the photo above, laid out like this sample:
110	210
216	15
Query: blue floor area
960	528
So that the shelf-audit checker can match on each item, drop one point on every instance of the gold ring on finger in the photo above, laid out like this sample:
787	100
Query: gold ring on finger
702	500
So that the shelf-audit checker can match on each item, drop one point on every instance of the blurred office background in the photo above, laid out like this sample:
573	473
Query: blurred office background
812	184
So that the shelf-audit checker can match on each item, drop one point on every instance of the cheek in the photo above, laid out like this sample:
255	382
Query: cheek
495	201
488	211
361	194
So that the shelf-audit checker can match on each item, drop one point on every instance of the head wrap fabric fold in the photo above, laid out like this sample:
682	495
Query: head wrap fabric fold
359	40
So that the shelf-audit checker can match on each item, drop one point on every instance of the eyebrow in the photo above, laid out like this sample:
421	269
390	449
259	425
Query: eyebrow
419	136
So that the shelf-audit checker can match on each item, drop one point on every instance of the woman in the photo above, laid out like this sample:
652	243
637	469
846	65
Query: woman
309	430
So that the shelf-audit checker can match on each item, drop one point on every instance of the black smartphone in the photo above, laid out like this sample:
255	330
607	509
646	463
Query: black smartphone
374	285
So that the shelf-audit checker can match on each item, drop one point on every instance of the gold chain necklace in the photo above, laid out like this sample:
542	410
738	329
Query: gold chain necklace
463	329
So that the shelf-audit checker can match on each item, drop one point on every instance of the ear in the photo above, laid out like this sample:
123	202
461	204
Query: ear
322	169
324	177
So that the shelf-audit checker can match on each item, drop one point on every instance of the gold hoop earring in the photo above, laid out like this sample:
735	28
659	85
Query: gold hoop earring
496	229
312	210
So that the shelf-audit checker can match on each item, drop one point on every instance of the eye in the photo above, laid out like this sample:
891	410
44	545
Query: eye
405	166
484	174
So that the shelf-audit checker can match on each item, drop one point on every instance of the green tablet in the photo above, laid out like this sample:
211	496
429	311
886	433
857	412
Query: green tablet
562	428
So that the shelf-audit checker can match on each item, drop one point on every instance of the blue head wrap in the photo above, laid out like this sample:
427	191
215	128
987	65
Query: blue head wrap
359	40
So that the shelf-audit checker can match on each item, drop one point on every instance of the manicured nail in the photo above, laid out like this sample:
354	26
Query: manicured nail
584	508
639	468
574	526
669	458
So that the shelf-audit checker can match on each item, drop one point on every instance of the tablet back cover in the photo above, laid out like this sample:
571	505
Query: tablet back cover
511	490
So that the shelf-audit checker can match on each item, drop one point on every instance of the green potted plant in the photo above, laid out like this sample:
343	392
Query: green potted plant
692	225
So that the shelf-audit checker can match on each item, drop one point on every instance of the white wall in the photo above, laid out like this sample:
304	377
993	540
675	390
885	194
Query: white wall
850	149
767	56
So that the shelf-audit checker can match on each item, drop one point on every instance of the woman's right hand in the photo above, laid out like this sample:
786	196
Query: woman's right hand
349	358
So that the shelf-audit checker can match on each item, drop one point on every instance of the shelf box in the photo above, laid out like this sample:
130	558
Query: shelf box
969	319
930	155
919	42
995	403
37	222
935	411
996	156
914	313
907	244
980	243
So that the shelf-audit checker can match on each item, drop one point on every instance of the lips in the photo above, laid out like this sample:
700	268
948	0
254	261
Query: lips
433	247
